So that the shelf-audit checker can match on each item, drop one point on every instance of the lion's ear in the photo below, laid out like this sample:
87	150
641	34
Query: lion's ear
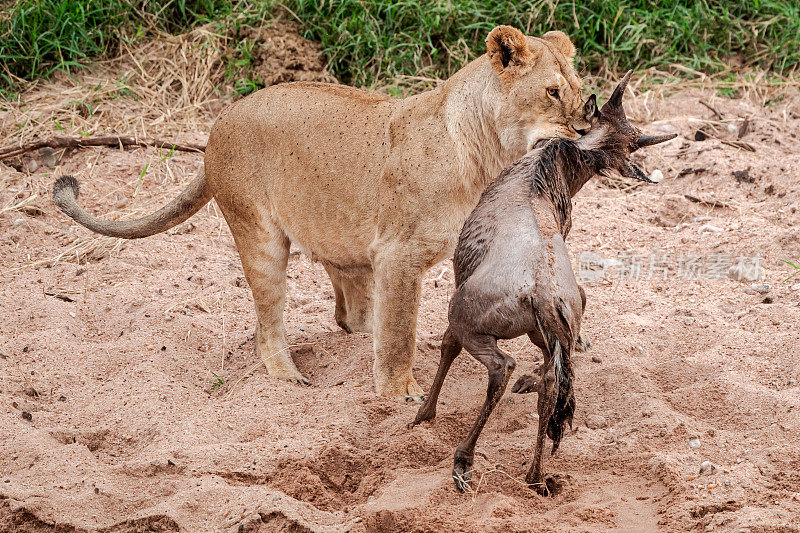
506	46
561	42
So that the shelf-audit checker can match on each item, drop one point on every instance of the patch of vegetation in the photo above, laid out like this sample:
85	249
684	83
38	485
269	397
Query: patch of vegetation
38	37
369	42
794	266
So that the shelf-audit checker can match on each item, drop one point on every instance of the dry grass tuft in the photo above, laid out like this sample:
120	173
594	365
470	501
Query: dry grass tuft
167	86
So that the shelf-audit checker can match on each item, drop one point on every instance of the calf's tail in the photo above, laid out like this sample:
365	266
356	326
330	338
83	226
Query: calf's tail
559	343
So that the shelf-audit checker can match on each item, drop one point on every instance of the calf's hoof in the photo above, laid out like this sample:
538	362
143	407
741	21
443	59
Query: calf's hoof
422	416
550	485
525	384
462	474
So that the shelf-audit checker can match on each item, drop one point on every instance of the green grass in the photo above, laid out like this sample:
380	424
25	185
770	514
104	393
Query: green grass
794	266
369	42
38	37
369	39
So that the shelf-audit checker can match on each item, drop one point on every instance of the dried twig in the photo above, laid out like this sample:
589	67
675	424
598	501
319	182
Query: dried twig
59	295
710	203
691	170
743	129
83	142
739	144
713	109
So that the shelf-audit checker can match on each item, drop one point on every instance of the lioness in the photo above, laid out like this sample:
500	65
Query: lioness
373	187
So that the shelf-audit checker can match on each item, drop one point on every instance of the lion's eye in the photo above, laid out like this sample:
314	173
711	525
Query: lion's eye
552	91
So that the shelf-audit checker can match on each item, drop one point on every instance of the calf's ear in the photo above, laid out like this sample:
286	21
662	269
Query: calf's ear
507	46
632	171
561	42
590	110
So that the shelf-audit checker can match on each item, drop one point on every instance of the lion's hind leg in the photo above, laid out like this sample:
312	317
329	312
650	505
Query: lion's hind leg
353	290
264	251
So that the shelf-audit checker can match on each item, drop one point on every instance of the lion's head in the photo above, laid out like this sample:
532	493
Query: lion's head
537	94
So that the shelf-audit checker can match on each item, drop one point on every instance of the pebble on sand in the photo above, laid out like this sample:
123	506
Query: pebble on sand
597	359
758	288
656	176
709	228
707	467
595	422
694	442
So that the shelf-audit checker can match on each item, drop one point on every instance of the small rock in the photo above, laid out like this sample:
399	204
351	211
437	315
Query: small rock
707	467
597	359
727	483
31	165
17	222
694	442
688	320
62	398
700	135
708	228
758	288
656	176
698	220
796	287
27	416
595	422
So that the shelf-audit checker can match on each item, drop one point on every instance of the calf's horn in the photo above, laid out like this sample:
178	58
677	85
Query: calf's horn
650	140
616	97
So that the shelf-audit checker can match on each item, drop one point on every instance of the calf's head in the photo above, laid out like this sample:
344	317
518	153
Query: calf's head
619	135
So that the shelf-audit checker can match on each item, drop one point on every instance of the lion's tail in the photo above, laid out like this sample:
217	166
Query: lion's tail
188	202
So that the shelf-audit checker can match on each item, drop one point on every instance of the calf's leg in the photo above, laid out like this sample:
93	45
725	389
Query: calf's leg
527	382
546	405
450	350
500	366
582	344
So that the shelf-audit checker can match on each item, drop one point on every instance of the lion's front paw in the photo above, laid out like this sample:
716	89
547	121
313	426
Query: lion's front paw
404	389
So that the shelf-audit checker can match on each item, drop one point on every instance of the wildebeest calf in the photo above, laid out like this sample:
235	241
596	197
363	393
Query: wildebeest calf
514	277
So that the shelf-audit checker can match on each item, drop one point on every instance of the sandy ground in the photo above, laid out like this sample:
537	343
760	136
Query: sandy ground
131	398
